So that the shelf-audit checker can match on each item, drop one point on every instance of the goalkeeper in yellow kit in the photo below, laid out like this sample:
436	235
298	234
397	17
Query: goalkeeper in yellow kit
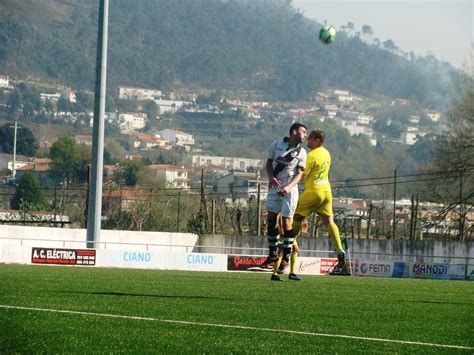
317	195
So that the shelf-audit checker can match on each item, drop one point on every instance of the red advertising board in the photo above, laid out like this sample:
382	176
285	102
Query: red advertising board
245	263
63	256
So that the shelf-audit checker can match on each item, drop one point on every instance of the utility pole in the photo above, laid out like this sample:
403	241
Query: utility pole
14	151
394	202
461	212
95	194
203	207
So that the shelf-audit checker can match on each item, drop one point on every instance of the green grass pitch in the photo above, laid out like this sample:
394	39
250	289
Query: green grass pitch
205	312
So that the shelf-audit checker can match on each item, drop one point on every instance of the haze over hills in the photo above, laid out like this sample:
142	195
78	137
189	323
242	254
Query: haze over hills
264	46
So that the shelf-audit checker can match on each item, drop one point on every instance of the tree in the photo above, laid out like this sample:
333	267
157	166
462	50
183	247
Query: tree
63	154
114	151
28	191
151	108
454	155
131	172
26	143
83	160
64	105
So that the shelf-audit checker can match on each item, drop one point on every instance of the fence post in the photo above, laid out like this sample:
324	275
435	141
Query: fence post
369	222
213	217
416	216
179	210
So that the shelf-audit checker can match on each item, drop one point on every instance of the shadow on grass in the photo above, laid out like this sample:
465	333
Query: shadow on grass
122	294
441	302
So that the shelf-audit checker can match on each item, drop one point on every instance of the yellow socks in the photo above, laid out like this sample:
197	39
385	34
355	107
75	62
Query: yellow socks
296	226
334	233
293	259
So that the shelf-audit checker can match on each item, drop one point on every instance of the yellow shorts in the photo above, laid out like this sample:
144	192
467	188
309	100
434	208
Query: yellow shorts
319	201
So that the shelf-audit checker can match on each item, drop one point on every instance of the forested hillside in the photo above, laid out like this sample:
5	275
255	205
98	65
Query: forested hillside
263	45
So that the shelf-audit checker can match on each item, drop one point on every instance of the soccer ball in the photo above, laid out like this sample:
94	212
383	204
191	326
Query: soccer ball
327	34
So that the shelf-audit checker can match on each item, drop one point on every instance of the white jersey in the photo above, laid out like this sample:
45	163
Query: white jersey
287	161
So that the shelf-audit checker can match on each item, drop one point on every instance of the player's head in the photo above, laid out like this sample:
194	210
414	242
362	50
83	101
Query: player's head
316	138
298	132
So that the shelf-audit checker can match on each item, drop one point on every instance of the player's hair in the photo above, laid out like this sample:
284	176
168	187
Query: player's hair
318	134
297	126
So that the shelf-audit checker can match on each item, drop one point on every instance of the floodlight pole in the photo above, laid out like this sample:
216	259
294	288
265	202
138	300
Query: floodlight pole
95	191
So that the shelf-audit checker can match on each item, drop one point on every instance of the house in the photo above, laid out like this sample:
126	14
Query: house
40	168
242	185
350	206
198	161
6	161
50	97
109	171
414	119
409	135
170	105
83	139
131	93
131	121
45	143
175	137
69	95
433	115
4	81
124	199
173	175
146	142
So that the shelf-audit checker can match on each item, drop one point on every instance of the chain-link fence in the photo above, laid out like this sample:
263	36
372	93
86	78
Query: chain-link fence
215	211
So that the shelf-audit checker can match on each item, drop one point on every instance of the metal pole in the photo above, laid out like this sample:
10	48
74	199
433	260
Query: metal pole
179	207
259	211
213	217
95	193
371	207
412	217
416	216
14	151
394	202
461	212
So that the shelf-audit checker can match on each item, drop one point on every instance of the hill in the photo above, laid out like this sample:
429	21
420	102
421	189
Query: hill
264	46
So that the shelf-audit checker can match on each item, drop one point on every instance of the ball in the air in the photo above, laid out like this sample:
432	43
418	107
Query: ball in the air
327	34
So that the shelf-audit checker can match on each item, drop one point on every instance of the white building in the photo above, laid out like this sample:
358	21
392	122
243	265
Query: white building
195	161
242	185
69	95
175	137
170	105
4	81
409	135
131	93
433	115
414	120
51	97
364	119
146	142
131	121
173	175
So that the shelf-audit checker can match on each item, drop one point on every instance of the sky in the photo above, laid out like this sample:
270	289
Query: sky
442	27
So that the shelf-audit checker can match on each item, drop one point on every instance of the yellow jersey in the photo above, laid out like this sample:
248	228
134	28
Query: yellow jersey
318	163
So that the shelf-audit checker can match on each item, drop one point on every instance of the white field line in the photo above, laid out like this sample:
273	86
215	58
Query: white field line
240	327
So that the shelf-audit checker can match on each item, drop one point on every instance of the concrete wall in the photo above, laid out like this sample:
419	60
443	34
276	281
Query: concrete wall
109	239
400	250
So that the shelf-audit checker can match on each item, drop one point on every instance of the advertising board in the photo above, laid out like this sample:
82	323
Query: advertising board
63	256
